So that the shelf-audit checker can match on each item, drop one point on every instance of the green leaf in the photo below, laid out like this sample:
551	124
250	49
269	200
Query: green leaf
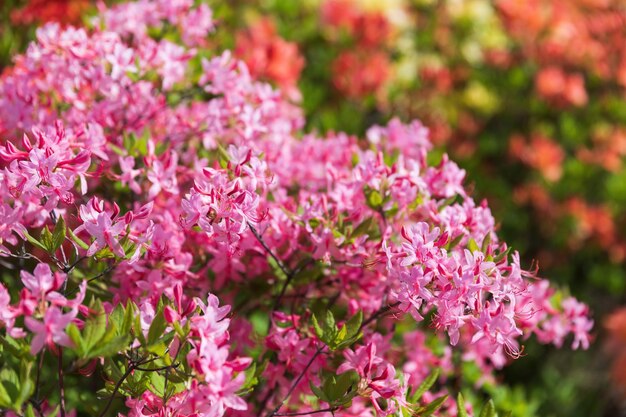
157	383
95	327
343	388
472	245
34	241
74	334
5	398
16	347
330	323
46	239
319	332
77	240
112	370
426	385
486	242
354	324
454	242
137	331
129	315
251	380
364	227
318	393
352	329
30	412
112	347
374	198
489	410
59	233
27	386
460	403
431	408
10	383
157	327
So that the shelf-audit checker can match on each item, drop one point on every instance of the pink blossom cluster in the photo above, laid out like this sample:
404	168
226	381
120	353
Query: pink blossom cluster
169	173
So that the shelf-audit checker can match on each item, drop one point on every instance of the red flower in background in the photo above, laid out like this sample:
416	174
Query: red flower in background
41	11
585	34
340	14
357	74
556	86
541	153
269	56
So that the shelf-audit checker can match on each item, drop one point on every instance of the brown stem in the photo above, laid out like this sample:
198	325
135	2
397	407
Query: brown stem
297	381
61	386
307	413
381	311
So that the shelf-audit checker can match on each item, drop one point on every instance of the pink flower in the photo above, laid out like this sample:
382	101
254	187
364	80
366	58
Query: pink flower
43	281
106	233
51	331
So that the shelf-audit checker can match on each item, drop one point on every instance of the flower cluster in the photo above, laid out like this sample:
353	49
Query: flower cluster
270	57
142	171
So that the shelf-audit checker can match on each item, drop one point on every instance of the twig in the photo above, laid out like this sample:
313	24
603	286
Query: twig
307	413
162	368
297	381
132	366
379	313
61	386
288	273
269	251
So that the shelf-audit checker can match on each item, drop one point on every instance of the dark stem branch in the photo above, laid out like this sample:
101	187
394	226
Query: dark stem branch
381	311
297	381
307	413
288	273
132	366
61	385
269	251
162	368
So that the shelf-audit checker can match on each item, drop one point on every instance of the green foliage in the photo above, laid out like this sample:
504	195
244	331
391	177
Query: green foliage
338	390
337	338
16	364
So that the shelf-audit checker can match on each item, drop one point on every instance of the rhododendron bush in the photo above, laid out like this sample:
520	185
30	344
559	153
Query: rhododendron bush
173	244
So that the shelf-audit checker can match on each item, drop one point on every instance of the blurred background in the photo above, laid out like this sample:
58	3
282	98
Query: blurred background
529	96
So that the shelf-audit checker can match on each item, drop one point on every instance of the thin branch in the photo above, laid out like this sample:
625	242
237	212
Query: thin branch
269	251
381	311
37	380
288	273
90	280
132	366
162	368
61	385
290	277
307	413
69	268
297	381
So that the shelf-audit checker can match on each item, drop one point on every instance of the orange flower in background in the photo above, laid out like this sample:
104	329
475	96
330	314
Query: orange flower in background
269	56
538	197
41	11
357	75
556	86
608	150
372	30
586	34
541	153
340	14
593	222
